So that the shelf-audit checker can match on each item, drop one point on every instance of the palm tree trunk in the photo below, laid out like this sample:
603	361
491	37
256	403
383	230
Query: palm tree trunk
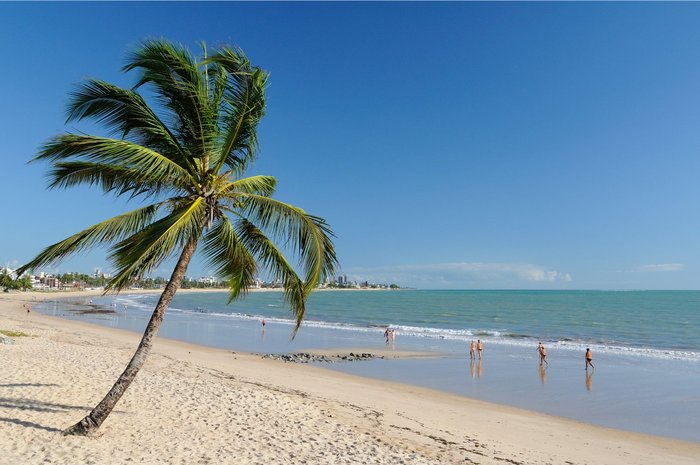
94	419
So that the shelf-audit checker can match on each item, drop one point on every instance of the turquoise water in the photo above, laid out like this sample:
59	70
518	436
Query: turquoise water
652	323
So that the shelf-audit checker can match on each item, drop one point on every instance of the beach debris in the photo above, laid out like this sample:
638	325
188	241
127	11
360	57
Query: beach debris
7	336
305	357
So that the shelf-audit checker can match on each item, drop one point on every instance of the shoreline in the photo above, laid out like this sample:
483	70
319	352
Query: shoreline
626	393
430	425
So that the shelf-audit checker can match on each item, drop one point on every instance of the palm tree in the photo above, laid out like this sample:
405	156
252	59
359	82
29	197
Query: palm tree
186	158
6	281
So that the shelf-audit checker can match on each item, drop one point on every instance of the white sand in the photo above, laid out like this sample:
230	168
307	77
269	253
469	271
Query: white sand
192	405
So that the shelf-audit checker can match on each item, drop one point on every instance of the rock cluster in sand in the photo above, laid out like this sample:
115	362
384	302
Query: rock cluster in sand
305	357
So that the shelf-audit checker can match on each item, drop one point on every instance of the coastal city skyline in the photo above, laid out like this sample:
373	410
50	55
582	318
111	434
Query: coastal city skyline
457	146
41	280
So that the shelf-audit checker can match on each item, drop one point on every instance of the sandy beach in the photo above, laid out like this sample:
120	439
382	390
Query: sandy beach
193	404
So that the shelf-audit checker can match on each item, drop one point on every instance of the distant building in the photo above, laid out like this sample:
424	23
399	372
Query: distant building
211	280
100	274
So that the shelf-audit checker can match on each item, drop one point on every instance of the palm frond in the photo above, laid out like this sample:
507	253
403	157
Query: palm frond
243	107
229	257
218	80
75	147
146	249
272	259
111	177
259	184
307	234
181	88
127	113
107	232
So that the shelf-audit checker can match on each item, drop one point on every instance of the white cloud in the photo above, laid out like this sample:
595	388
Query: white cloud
663	267
464	275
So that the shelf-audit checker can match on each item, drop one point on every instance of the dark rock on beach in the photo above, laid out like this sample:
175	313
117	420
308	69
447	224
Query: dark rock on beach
304	357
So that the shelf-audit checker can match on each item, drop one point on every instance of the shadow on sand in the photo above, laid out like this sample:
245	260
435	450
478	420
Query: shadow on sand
28	424
36	405
14	385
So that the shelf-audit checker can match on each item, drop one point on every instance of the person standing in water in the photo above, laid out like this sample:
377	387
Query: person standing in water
589	359
543	355
479	347
472	350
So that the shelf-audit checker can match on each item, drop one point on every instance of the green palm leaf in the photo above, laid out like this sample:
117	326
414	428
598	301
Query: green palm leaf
106	232
177	80
243	108
126	112
307	234
261	185
230	258
122	153
111	177
272	259
146	249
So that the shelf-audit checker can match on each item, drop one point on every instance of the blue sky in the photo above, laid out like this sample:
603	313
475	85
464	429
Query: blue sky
450	145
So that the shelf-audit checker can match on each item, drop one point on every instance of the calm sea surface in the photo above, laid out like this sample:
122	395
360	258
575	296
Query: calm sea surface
654	323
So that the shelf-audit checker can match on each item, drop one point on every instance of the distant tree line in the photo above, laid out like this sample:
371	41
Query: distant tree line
8	284
159	282
87	280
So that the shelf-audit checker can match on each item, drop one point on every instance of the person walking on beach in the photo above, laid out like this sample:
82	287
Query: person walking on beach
386	335
472	350
589	359
543	354
479	347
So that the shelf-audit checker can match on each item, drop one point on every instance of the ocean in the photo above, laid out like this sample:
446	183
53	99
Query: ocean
646	344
